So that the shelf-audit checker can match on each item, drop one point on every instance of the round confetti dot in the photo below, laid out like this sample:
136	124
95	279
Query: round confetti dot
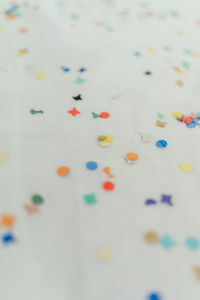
37	199
104	144
177	114
192	243
108	186
105	115
91	165
132	156
186	167
105	254
152	237
63	171
161	144
154	296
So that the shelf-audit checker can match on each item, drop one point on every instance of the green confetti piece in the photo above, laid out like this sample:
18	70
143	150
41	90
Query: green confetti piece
80	80
90	198
37	199
161	116
187	51
95	115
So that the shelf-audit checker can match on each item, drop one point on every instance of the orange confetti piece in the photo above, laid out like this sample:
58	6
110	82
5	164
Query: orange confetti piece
107	171
8	221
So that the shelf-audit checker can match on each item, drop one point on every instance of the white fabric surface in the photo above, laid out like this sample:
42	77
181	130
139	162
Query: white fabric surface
56	254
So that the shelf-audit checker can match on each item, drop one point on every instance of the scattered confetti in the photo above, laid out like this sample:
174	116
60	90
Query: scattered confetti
152	237
23	30
108	172
90	199
131	157
80	80
145	138
160	116
32	208
167	199
154	296
108	186
150	202
148	73
161	144
105	254
77	97
37	199
81	70
22	52
74	112
180	83
161	124
41	75
91	165
8	238
137	53
192	243
33	111
8	221
167	242
63	171
65	69
3	157
197	272
186	167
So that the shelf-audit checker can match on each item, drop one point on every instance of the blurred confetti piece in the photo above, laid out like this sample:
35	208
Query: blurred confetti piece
7	221
3	157
41	75
105	254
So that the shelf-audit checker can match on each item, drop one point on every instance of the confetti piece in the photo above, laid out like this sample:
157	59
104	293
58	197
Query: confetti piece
145	138
154	296
109	138
108	172
41	75
74	112
108	186
160	116
180	83
1	29
186	167
131	157
105	254
95	115
37	199
186	65
161	144
22	52
196	55
3	157
192	243
32	208
151	50
137	53
65	69
81	70
148	72
104	115
33	111
104	144
150	202
152	237
8	221
8	238
63	171
197	272
77	98
191	125
90	199
161	124
167	242
91	165
166	199
177	114
23	30
80	80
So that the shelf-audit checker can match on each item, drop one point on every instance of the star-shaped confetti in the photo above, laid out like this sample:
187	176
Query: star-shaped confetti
74	112
167	199
31	208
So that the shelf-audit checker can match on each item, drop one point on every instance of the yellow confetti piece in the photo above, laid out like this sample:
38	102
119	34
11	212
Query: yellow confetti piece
22	53
196	55
151	50
3	157
109	138
177	113
179	33
105	254
186	167
1	29
41	75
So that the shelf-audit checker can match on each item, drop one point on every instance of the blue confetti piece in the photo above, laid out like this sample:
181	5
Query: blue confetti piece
137	53
167	199
8	238
191	125
150	202
154	296
167	242
192	243
65	69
